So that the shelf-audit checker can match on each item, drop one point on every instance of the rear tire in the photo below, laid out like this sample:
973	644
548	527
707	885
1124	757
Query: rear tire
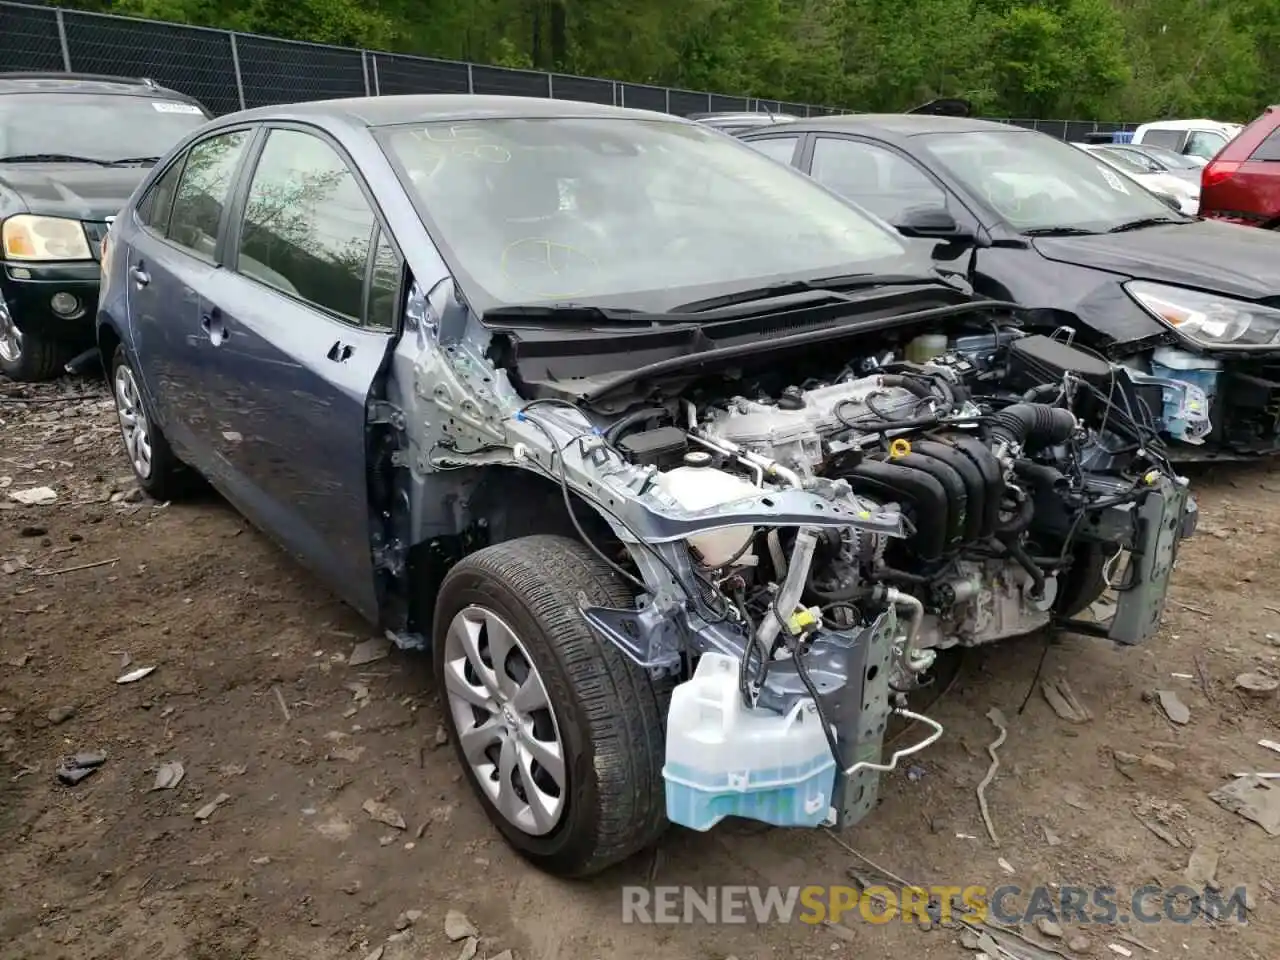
607	715
159	473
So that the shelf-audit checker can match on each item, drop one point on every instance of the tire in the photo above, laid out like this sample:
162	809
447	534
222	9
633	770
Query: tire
608	714
166	477
27	357
1085	582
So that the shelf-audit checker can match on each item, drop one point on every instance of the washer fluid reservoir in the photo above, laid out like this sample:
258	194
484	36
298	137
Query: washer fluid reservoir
726	759
701	488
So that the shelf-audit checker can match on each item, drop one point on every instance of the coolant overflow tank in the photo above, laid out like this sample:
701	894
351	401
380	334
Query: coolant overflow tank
701	488
727	759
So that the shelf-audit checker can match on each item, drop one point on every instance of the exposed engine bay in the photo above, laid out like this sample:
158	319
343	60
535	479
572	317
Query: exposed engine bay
831	525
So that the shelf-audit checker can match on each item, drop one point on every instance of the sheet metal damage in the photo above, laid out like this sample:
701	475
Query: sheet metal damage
828	525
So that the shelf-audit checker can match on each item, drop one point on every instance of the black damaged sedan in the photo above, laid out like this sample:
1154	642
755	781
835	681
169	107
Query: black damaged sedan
1191	305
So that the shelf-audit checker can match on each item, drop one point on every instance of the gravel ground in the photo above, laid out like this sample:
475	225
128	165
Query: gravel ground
252	695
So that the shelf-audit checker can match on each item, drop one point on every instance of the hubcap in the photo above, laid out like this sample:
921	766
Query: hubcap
10	335
504	721
133	422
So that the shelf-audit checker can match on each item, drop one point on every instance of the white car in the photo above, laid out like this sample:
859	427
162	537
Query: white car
1195	138
1186	193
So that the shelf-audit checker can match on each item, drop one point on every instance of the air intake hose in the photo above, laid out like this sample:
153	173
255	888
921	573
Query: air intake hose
1032	425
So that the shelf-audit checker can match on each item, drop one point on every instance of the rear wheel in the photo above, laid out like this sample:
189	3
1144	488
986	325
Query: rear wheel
559	733
158	472
26	357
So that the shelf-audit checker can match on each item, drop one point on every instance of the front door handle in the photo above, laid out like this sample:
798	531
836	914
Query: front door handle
140	277
211	323
340	352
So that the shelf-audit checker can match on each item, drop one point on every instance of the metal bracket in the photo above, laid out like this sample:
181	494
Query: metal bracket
1161	520
860	725
380	411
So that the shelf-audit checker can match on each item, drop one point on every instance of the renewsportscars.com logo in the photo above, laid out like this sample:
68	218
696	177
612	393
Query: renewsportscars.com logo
1005	904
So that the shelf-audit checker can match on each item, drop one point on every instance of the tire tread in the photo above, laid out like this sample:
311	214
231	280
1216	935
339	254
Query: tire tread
625	708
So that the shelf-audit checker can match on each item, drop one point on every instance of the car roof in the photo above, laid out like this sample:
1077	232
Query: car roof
1201	124
761	115
896	126
423	108
51	82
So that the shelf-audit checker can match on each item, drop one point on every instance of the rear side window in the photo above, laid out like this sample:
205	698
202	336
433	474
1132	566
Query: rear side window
307	226
157	204
203	192
1268	149
1165	138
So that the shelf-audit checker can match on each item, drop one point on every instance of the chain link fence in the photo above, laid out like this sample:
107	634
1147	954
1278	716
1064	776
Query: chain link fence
230	71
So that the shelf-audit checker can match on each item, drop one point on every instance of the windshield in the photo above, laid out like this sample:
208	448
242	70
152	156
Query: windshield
1034	182
621	212
95	126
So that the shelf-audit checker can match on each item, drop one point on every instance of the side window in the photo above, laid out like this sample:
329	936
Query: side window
1268	149
307	226
384	286
1204	144
877	179
782	149
155	206
1171	139
203	191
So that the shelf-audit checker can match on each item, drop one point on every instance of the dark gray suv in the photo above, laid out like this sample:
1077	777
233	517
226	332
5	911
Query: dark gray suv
72	148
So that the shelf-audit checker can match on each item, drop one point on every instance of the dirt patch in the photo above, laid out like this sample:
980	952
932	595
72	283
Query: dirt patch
252	695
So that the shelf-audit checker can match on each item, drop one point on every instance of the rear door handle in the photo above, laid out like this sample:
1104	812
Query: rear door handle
340	352
140	277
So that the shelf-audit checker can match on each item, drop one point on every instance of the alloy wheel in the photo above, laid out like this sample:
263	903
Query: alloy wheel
503	718
133	422
10	335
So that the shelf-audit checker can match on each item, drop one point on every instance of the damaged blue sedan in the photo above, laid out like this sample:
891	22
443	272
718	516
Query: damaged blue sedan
684	471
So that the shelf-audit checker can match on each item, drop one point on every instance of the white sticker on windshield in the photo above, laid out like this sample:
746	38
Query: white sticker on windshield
171	107
1113	181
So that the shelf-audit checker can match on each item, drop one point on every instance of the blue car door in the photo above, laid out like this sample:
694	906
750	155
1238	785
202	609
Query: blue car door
172	254
302	325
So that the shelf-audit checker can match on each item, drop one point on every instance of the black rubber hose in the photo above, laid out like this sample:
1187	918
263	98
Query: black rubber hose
923	494
974	485
1024	560
632	419
1007	530
1031	425
954	485
1042	476
910	384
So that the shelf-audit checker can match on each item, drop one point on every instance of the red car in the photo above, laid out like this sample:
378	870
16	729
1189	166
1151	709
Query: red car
1242	183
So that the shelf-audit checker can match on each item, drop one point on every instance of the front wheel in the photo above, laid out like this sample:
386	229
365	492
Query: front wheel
559	733
27	357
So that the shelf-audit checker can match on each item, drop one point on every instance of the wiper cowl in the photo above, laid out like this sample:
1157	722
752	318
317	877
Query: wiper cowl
1146	222
53	158
578	314
1059	232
